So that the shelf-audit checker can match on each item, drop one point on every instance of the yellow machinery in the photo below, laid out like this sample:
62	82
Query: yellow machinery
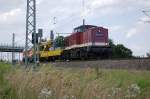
47	50
44	54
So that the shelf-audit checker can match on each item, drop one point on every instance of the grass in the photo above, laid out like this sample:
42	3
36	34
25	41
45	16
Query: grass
73	83
5	89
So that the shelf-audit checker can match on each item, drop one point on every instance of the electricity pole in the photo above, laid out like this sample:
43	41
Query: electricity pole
83	7
30	29
13	45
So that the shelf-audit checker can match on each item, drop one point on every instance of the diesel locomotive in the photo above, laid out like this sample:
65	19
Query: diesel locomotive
86	42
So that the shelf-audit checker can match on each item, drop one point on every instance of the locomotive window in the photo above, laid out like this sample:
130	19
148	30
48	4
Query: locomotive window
78	30
99	34
83	28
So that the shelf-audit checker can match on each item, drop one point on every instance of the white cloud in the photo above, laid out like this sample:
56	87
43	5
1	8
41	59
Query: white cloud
139	27
139	49
103	3
146	3
138	37
145	19
115	28
8	15
39	1
131	33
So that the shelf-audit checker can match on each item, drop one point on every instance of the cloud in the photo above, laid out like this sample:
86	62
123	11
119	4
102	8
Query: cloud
103	3
8	15
7	5
139	27
131	33
39	1
138	37
146	3
145	19
115	28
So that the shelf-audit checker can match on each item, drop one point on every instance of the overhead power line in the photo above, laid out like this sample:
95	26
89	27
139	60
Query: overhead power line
147	13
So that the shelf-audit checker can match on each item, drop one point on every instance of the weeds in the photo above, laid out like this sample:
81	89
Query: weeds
98	72
69	83
143	83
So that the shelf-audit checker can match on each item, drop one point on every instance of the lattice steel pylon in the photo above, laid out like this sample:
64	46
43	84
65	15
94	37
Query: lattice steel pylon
30	28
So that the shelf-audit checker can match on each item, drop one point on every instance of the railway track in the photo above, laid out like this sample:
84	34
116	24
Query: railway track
136	64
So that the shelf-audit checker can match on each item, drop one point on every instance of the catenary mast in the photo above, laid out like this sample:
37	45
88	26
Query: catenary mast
30	29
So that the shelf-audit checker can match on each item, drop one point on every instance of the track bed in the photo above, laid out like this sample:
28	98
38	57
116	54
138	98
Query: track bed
137	64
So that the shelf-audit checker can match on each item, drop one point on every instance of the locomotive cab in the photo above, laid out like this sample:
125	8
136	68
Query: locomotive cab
97	36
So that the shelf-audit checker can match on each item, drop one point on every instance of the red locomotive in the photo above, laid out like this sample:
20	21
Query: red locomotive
87	41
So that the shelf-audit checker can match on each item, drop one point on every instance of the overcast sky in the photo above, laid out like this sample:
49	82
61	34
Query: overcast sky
123	18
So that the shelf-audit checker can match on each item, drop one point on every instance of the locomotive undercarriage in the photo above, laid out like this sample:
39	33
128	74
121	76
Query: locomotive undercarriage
85	53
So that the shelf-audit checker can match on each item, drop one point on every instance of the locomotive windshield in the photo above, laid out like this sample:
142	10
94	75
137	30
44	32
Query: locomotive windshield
83	28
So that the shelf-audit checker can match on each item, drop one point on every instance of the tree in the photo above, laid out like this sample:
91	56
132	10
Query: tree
59	41
119	51
122	52
148	55
111	43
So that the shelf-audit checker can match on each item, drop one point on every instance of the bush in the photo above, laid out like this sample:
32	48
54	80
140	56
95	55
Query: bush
120	51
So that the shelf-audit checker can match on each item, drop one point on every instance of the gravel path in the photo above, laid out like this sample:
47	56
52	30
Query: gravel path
137	64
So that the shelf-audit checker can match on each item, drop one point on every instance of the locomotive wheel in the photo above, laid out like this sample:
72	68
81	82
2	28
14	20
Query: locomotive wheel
83	55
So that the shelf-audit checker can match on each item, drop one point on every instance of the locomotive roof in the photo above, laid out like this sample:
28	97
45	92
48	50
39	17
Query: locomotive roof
84	26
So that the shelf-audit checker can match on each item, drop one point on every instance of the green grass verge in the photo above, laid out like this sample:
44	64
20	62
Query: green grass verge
73	83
